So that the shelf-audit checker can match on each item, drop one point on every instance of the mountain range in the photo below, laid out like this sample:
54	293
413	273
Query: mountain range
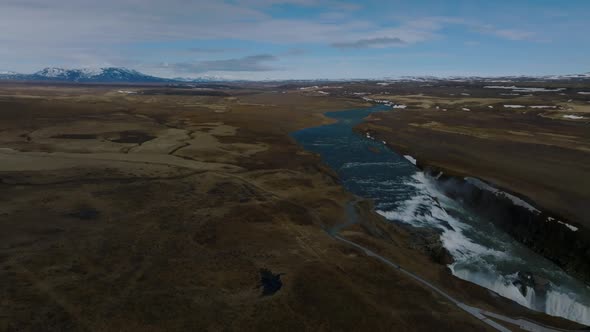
99	75
124	75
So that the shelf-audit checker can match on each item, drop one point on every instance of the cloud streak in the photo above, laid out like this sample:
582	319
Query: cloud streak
203	50
252	63
370	42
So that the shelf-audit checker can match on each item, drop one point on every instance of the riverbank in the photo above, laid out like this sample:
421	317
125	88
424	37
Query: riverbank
552	179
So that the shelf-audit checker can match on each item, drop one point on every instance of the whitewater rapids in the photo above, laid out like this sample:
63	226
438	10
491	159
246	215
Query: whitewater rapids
495	263
482	253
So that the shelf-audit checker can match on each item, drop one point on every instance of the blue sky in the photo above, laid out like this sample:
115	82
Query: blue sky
295	39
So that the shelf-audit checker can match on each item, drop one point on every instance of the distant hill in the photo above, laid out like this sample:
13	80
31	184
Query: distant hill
125	75
100	75
10	75
86	75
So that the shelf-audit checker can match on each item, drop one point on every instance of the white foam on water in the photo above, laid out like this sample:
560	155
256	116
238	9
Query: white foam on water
372	182
584	93
461	247
407	212
476	262
514	106
565	305
555	302
423	209
501	285
368	164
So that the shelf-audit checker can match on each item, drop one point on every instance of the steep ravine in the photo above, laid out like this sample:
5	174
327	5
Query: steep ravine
471	246
565	243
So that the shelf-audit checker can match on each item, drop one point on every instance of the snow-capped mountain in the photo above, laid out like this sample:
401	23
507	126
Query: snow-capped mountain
9	75
571	76
98	75
124	75
205	78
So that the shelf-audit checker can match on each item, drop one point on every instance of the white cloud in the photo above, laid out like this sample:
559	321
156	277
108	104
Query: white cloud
513	34
35	33
370	42
505	33
252	63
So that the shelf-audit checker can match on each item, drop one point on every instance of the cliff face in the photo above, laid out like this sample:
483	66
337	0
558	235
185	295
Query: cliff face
518	153
545	233
543	159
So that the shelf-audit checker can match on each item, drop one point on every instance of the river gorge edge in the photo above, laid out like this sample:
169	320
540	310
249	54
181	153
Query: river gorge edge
544	232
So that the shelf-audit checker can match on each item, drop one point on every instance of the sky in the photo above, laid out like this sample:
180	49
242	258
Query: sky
298	39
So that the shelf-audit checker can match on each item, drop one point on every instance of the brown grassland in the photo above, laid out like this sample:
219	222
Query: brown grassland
155	212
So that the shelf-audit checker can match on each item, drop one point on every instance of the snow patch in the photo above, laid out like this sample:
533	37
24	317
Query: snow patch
52	72
522	89
542	106
516	200
309	87
573	117
411	159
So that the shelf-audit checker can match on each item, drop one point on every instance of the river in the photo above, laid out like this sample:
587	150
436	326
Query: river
402	193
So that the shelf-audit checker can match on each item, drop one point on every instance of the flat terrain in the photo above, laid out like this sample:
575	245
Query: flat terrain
156	210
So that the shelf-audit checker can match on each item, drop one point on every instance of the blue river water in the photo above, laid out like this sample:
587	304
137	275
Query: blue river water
402	193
